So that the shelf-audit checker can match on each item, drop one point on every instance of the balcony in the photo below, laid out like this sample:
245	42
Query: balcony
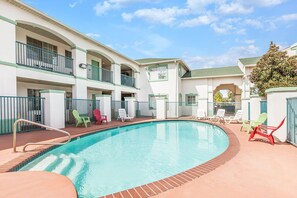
38	58
127	81
99	74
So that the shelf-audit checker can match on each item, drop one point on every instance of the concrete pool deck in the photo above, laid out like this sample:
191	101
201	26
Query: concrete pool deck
257	170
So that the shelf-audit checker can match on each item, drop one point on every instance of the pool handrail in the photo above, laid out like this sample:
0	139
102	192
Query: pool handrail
41	125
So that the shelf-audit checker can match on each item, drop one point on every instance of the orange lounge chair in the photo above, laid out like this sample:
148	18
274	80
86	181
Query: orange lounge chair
262	130
99	118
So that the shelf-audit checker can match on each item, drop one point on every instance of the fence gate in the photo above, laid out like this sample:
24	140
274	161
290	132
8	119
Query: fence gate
292	120
263	108
85	107
13	108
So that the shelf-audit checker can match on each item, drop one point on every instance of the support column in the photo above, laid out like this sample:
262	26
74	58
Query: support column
255	107
210	105
54	108
116	94
202	104
116	68
131	106
8	65
245	108
79	57
136	76
161	108
105	105
80	90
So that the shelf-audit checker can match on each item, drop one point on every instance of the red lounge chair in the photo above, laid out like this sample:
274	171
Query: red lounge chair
99	118
262	130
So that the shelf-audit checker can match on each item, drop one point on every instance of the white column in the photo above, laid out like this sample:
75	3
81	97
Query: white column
8	65
116	68
255	107
79	56
131	106
277	108
202	104
80	90
105	105
54	109
161	108
136	76
245	108
116	94
210	105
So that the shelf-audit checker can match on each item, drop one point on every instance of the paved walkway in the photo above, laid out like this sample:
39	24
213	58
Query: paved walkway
258	170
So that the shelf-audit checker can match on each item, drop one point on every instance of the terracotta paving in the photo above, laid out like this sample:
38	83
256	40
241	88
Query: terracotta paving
245	169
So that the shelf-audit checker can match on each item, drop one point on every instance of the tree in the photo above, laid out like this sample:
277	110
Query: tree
274	69
230	96
218	97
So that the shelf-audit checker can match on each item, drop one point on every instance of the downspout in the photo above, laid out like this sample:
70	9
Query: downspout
177	93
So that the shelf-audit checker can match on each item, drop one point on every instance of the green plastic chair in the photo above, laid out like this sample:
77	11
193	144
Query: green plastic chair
249	124
81	120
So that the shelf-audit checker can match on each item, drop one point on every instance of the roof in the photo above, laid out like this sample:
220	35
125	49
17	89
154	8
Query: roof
214	72
250	61
153	60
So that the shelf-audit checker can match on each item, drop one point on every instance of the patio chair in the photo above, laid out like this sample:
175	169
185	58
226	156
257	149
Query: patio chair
124	116
237	117
98	117
250	124
79	120
219	116
201	114
262	130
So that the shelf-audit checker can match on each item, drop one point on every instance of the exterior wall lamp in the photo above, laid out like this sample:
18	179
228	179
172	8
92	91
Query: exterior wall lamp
83	65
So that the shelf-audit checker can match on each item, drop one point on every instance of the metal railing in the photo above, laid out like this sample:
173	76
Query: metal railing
143	110
230	107
292	120
40	125
39	58
127	80
85	107
99	74
115	106
15	107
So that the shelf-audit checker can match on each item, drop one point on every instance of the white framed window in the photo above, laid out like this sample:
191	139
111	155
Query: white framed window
191	99
158	73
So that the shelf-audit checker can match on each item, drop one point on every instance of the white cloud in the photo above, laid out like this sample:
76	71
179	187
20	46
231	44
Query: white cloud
234	8
263	3
165	16
153	45
227	59
93	35
75	3
254	22
289	17
222	28
200	5
200	20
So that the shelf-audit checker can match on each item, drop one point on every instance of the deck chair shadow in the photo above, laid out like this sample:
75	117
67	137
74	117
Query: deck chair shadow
81	120
237	117
262	130
251	124
124	116
98	117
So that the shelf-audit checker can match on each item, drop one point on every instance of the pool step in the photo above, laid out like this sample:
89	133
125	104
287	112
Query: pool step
44	164
63	165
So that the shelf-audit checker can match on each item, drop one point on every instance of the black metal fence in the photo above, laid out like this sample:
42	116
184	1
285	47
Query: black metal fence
292	120
38	58
230	107
84	107
115	106
13	108
144	110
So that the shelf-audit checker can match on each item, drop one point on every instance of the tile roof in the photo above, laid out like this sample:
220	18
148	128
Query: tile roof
153	60
213	72
250	61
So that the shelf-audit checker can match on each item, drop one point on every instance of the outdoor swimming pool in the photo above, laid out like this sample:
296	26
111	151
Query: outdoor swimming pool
130	156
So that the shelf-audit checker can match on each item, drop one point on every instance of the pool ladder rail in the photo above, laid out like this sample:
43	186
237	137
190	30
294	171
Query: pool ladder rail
41	125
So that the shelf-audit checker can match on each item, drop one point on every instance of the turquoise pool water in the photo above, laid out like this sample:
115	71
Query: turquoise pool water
126	157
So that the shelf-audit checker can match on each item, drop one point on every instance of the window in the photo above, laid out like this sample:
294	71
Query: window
180	72
34	101
158	72
191	99
68	59
152	100
41	51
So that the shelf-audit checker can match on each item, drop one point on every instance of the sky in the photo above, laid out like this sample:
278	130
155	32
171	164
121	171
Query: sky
204	33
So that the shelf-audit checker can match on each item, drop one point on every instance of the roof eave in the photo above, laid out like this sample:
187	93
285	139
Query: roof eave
221	76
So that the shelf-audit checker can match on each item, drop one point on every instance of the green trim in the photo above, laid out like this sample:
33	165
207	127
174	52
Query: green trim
202	98
156	66
186	99
44	71
8	64
155	95
281	89
3	18
51	91
255	96
81	78
245	98
102	95
80	49
129	98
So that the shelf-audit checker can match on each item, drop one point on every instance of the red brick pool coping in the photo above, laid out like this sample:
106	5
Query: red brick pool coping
154	188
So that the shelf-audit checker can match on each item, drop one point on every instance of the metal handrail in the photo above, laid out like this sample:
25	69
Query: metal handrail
37	124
